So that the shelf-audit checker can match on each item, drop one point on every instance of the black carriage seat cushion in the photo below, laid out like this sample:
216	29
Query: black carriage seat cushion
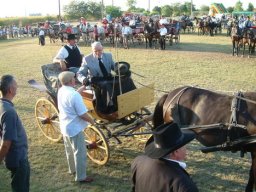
50	76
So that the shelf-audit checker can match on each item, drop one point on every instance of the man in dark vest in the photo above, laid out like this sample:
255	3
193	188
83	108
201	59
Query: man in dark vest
69	56
162	167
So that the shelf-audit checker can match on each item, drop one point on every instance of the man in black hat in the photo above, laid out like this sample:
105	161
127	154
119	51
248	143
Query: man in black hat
69	56
162	167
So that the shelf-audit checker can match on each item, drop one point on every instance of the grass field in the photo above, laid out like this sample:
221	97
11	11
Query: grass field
198	60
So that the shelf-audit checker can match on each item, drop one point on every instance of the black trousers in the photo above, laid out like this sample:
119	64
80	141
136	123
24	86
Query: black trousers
20	177
106	92
162	42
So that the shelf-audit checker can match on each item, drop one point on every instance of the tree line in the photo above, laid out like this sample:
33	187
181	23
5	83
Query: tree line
94	11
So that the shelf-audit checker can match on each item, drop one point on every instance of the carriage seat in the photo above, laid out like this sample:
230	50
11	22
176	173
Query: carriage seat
50	76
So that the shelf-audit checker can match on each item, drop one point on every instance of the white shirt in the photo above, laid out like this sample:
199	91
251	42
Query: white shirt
63	52
163	21
182	164
126	30
71	106
163	31
41	32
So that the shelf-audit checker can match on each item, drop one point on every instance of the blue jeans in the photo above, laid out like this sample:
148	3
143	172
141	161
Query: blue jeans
20	177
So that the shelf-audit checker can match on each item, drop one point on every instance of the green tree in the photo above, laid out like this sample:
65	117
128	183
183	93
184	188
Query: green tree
204	8
250	7
238	6
76	9
176	9
166	10
230	9
131	3
157	10
94	9
183	9
187	8
113	11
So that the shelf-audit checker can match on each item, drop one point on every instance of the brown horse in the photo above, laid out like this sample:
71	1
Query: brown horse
248	39
151	34
208	114
236	40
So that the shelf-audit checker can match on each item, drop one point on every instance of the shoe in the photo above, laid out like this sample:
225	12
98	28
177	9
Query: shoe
86	180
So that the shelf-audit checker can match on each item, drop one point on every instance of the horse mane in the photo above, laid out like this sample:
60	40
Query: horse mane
158	112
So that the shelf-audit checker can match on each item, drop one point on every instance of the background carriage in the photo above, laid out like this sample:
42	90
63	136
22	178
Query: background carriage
131	118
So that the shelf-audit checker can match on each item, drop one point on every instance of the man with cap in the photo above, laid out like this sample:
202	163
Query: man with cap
162	167
69	56
73	120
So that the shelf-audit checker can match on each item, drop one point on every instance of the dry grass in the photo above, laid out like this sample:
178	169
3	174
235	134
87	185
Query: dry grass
202	61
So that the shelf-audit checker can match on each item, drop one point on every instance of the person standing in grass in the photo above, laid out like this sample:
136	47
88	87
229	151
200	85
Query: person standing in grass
73	120
13	138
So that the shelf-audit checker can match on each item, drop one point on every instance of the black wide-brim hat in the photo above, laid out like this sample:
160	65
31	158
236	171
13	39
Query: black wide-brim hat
124	67
71	37
167	138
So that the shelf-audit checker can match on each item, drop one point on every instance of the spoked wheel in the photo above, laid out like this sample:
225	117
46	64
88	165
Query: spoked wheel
48	119
98	148
146	127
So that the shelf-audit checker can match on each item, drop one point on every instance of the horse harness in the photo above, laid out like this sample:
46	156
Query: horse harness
235	108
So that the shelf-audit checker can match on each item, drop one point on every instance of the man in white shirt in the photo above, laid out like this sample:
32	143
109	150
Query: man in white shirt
69	56
73	120
163	33
41	37
126	32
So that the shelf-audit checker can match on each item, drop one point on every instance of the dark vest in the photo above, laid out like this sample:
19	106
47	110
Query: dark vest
74	58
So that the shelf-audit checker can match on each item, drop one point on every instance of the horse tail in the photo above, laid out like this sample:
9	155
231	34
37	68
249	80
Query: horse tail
158	112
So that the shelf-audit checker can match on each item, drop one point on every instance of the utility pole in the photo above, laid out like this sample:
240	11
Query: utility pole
191	8
102	9
112	3
59	11
149	5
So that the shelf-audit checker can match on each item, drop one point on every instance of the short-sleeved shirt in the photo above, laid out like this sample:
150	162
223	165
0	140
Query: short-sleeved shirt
71	107
11	129
63	52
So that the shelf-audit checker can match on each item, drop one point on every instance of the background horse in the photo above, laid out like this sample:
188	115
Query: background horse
248	39
227	130
236	40
151	33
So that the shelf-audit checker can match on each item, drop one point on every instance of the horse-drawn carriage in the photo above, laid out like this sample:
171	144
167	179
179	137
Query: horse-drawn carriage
173	33
130	119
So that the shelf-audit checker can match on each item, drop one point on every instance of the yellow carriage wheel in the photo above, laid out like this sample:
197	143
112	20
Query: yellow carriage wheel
99	153
144	112
47	117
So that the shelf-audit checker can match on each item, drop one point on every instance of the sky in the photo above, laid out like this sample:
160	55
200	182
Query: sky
25	7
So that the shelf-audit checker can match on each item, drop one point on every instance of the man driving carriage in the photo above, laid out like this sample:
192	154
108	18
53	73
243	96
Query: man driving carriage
69	56
96	70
